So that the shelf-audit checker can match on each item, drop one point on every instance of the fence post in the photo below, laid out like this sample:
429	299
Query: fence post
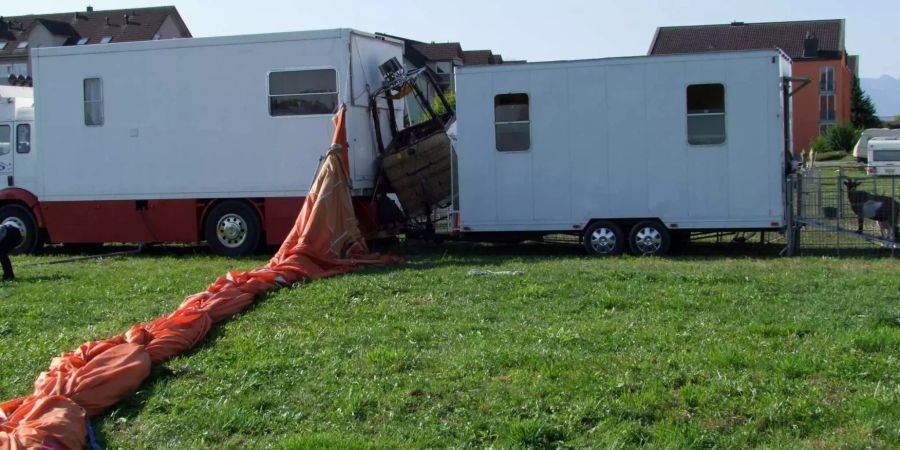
893	233
794	208
840	209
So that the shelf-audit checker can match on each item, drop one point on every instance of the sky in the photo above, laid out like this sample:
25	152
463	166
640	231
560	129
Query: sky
523	29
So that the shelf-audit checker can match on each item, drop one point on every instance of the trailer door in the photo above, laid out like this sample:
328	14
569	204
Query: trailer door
6	155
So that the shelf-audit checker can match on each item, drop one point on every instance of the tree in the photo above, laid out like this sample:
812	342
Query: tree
862	110
438	106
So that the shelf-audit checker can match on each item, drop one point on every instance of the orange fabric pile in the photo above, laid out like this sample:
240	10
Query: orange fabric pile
325	241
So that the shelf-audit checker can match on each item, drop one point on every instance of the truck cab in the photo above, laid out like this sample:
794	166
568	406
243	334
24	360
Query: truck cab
18	166
16	131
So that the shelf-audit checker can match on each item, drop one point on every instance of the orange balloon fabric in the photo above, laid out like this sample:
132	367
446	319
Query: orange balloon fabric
325	241
53	422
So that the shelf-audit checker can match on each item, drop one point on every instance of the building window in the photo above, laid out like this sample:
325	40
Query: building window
826	108
23	138
22	45
82	41
512	122
826	79
827	98
706	114
443	74
106	39
93	102
4	139
303	92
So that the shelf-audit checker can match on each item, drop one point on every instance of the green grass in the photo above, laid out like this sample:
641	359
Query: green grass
691	352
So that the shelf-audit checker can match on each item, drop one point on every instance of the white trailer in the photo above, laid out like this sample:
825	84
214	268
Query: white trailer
637	150
884	156
191	139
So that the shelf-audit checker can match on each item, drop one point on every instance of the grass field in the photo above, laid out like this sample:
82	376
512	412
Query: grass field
702	352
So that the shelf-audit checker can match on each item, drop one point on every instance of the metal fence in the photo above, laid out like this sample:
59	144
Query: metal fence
842	211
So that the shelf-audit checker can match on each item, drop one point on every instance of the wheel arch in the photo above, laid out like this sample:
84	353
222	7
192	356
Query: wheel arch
10	196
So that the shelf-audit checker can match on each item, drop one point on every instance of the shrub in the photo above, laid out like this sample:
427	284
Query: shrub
820	145
841	138
438	106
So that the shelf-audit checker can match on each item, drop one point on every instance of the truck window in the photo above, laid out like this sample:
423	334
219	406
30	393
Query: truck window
303	92
93	102
4	139
706	114
512	123
23	138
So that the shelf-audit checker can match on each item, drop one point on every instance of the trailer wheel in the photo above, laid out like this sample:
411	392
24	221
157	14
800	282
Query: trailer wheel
649	238
32	240
604	238
232	228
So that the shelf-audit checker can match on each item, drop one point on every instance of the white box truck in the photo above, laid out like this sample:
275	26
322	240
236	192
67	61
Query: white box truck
186	140
626	152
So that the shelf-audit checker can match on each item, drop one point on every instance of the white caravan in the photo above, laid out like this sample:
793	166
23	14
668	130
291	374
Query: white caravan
637	150
884	156
186	140
861	149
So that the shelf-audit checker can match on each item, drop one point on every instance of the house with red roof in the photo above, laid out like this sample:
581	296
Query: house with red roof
20	34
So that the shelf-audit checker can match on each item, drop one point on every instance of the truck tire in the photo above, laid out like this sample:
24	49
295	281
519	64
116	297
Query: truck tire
604	238
232	228
32	241
649	238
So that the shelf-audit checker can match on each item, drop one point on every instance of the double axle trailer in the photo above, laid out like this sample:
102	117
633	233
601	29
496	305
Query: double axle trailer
628	153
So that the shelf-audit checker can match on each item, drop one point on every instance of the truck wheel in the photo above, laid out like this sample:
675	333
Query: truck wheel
31	235
649	238
232	228
604	238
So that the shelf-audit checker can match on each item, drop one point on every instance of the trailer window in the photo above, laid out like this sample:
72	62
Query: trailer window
23	138
4	139
512	123
885	155
93	102
303	92
706	114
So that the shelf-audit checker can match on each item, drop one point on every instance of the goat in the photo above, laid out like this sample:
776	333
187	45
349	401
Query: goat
879	208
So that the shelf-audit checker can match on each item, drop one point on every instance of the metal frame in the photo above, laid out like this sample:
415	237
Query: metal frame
822	216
